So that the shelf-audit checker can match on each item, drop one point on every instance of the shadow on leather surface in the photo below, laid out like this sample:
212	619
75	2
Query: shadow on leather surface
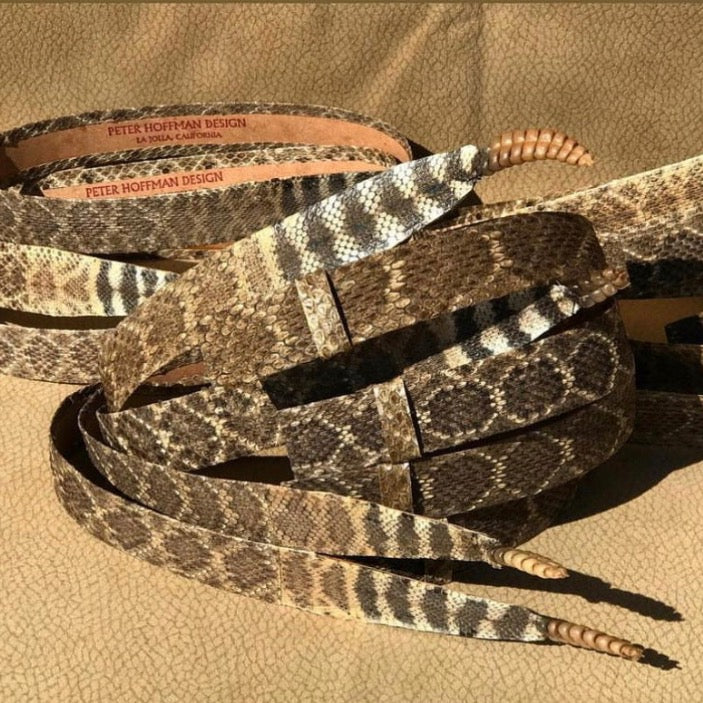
591	588
630	473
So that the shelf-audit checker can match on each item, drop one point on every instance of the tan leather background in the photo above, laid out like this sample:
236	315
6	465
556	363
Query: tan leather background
80	621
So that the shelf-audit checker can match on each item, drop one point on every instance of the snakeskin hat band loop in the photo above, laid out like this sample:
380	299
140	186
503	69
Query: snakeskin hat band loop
282	259
178	190
306	334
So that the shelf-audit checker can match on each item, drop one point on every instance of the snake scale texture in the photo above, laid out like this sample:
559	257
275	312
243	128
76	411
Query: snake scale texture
428	373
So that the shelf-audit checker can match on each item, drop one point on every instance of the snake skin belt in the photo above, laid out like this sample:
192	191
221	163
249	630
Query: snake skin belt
321	370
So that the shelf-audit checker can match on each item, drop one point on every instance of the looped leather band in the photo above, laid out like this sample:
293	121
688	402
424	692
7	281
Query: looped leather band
442	468
259	540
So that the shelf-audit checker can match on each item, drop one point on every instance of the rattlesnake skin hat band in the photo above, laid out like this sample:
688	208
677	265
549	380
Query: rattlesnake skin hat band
141	181
438	380
290	315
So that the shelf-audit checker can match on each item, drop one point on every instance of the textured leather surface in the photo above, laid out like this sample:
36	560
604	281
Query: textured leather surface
81	621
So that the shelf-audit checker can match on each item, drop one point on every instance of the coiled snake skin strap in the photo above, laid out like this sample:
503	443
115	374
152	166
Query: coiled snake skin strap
364	414
651	223
421	393
145	181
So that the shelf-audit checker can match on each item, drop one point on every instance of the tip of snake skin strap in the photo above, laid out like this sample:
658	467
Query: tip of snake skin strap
529	562
581	636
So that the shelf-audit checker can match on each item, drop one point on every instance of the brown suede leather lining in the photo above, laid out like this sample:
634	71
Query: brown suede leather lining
193	180
118	136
